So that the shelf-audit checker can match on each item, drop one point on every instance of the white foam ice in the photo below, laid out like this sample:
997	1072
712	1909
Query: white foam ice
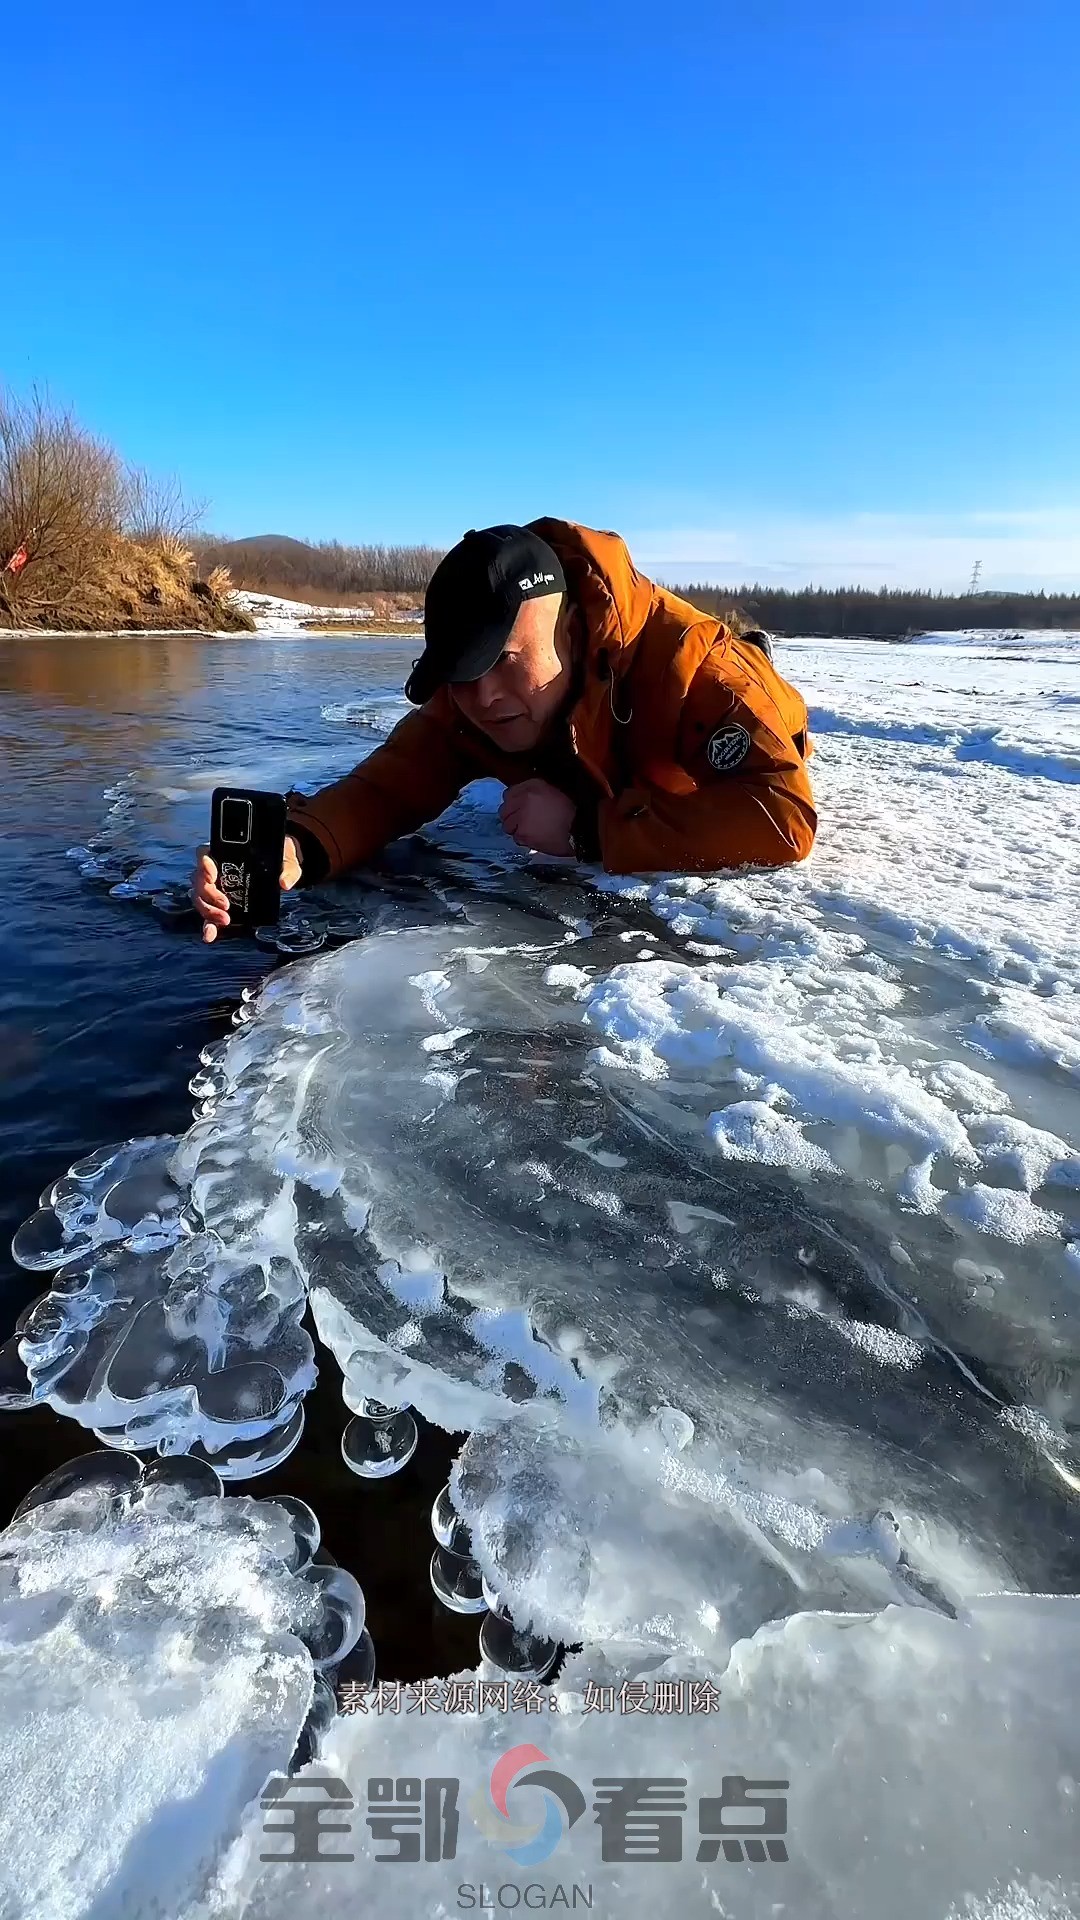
910	995
929	1767
154	1668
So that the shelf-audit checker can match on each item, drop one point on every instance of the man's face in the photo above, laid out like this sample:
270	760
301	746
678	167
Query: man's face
516	701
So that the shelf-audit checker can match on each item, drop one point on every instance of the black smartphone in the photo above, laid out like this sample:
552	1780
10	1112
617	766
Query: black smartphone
247	843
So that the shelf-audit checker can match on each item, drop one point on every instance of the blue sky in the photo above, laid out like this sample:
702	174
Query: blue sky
780	290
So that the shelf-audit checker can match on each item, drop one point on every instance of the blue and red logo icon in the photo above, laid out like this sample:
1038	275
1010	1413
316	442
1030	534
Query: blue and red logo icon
560	1805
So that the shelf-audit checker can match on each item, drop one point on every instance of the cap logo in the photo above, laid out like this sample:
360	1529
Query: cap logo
536	580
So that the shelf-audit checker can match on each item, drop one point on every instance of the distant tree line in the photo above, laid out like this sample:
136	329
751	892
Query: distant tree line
889	613
275	563
332	570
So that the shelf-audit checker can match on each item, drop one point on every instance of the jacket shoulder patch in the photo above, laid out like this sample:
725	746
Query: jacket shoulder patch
727	748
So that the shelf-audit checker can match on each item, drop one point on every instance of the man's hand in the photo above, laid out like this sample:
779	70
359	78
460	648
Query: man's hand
539	817
213	905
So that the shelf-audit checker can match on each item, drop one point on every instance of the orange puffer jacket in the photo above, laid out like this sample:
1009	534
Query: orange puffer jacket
685	747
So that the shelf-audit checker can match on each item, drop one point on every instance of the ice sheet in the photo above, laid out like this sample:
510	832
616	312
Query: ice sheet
695	1364
150	1678
931	1767
153	1333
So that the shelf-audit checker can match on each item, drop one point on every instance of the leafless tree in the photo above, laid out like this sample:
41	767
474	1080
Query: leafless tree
275	563
156	511
61	497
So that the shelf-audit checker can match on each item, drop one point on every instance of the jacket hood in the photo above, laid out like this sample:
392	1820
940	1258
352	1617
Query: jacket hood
602	580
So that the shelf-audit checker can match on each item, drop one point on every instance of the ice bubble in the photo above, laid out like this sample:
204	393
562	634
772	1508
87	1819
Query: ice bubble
306	1531
379	1441
456	1582
447	1525
342	1618
521	1656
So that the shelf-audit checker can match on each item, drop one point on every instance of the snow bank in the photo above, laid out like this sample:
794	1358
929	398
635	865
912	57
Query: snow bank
929	1767
151	1676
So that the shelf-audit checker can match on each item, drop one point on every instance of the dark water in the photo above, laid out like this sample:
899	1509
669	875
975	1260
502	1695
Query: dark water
103	1013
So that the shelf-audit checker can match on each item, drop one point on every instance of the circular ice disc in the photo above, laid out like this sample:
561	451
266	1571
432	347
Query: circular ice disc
307	1532
374	1449
41	1321
448	1526
183	1475
244	1459
522	1656
342	1620
358	1667
112	1473
457	1582
40	1243
298	940
15	1389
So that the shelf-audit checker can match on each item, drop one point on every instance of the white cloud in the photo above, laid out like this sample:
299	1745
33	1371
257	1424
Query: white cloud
1025	550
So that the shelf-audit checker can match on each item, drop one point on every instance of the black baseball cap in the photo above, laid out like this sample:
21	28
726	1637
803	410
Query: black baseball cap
472	601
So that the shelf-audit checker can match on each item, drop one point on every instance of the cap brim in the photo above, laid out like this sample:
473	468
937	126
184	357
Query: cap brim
478	658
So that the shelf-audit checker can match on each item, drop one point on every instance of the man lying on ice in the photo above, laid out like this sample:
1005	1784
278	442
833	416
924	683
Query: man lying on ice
627	727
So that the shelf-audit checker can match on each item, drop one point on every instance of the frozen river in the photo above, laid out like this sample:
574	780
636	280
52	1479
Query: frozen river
737	1220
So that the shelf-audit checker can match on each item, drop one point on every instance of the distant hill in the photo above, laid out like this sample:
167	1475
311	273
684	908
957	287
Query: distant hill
324	572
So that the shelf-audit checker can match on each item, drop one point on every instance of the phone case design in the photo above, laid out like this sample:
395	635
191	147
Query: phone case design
247	841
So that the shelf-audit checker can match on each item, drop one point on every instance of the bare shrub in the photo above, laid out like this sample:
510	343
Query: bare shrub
61	498
156	511
220	582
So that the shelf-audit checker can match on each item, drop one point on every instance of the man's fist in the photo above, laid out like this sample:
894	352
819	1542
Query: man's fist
213	905
539	817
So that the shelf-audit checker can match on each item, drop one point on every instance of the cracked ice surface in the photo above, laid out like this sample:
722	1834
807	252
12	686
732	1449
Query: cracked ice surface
691	1384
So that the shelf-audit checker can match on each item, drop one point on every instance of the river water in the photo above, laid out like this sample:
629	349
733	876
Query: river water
103	1011
915	1332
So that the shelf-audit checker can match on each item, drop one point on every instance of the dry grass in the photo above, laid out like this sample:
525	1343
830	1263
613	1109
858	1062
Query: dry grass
220	582
327	574
132	585
379	602
101	545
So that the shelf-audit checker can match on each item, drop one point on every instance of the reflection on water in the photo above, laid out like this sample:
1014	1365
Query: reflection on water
103	1012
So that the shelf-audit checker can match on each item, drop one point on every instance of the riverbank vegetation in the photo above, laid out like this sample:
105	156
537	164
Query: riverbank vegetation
889	614
389	579
90	543
327	573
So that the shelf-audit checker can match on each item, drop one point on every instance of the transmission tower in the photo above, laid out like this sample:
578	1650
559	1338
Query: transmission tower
975	572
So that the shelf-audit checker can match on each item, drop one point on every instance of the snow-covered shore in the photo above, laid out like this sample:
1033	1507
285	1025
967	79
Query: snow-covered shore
272	614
